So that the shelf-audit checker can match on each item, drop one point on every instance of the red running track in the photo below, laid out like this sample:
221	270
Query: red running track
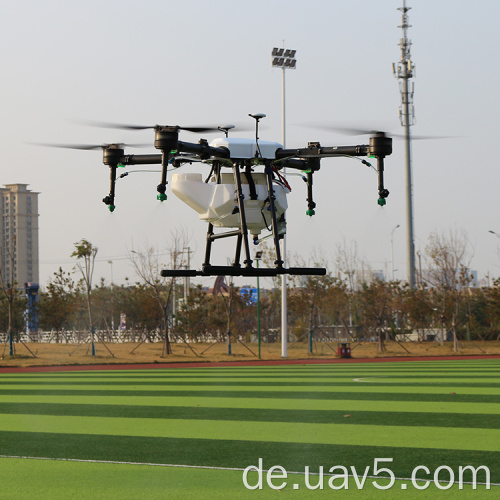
275	362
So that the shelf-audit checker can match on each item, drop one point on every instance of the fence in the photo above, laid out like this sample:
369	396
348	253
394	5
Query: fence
79	336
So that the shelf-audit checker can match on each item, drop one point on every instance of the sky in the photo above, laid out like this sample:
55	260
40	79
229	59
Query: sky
197	62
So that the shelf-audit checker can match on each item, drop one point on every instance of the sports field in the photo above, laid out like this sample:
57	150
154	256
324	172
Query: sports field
190	432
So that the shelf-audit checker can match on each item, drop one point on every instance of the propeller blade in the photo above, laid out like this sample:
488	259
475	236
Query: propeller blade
89	147
362	131
120	126
350	131
199	129
220	128
124	126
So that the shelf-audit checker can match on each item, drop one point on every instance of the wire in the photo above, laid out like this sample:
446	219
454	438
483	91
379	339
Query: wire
139	171
362	160
264	217
282	179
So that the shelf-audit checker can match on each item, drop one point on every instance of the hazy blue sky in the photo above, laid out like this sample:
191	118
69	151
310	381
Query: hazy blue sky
195	61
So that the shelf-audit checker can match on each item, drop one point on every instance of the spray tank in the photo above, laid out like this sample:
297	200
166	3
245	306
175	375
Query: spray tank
217	203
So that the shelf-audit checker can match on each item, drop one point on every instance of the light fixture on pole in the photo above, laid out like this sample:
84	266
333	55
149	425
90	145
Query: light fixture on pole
493	232
284	59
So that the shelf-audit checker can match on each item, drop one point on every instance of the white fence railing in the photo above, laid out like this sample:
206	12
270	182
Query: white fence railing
80	336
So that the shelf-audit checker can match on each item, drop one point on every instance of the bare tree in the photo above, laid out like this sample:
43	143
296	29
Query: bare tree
348	261
148	264
85	253
309	295
8	284
450	257
9	291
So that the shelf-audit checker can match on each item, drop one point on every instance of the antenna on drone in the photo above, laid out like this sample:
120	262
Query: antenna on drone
226	129
404	70
257	117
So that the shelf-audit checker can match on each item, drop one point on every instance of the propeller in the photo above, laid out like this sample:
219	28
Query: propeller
125	126
89	147
195	129
363	131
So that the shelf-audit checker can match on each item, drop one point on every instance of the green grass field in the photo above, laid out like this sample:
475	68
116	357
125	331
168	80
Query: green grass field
190	432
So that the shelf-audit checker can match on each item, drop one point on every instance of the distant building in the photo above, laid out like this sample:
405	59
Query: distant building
367	276
453	279
19	234
378	274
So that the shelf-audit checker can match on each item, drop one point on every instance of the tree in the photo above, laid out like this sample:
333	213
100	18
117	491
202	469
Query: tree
8	285
348	262
148	266
86	252
308	297
417	307
337	305
492	312
377	302
58	303
449	274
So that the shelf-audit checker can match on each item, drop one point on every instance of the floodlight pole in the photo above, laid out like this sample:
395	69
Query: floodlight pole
284	58
283	107
284	284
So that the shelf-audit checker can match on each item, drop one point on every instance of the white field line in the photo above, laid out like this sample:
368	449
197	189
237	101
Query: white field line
117	462
365	379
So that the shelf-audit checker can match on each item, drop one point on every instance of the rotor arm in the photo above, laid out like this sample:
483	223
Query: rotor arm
141	160
314	150
184	147
294	163
203	150
380	146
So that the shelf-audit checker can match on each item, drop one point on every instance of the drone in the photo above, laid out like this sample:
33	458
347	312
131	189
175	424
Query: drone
245	192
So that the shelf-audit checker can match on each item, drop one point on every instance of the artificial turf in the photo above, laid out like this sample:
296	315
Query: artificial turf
108	481
419	413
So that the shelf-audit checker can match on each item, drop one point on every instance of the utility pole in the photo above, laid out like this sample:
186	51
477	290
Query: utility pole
110	262
404	71
187	281
392	249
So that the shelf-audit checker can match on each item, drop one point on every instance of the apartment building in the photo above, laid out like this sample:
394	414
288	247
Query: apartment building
19	234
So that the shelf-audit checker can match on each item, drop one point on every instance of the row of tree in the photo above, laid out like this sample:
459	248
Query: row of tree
343	304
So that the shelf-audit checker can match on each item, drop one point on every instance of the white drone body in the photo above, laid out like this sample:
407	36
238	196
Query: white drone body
242	149
217	203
